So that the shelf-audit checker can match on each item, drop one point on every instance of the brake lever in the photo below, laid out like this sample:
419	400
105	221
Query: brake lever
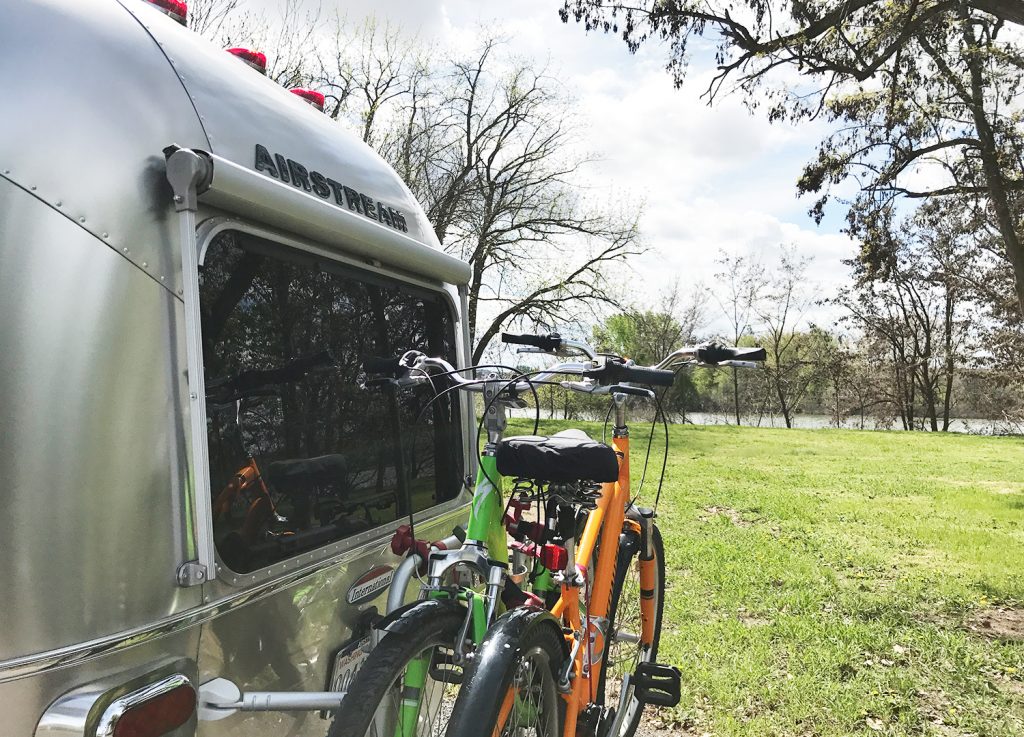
587	387
738	364
591	388
638	391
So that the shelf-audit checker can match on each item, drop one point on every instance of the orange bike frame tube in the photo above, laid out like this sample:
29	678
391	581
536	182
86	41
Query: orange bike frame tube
647	582
607	521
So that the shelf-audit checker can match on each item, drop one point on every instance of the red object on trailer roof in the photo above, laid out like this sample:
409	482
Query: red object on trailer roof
256	59
176	9
314	98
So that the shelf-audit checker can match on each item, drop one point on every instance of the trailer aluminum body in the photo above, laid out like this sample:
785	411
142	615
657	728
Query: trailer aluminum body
113	580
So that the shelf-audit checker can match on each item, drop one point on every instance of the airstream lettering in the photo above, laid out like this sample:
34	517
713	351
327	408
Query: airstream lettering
201	489
288	170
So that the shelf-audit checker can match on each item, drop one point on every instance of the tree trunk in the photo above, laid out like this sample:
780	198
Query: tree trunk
736	392
783	406
950	359
997	192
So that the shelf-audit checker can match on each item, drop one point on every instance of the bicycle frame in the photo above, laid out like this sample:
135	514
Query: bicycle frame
485	546
589	638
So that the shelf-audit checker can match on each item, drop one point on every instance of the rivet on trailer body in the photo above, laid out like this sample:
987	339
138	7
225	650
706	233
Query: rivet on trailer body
33	188
7	171
81	220
145	264
58	203
106	235
124	250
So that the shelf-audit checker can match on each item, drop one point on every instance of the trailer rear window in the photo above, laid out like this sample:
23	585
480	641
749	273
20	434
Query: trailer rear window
304	453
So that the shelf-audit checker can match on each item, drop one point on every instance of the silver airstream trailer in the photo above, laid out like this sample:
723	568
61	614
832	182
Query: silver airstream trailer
196	487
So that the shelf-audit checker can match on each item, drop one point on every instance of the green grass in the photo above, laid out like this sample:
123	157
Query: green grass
827	582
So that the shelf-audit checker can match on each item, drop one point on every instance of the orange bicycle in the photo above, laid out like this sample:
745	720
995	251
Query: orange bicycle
585	664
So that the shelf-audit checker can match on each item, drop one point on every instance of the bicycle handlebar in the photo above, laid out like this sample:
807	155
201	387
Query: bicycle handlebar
414	367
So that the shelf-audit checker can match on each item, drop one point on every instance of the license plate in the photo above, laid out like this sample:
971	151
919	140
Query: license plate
347	663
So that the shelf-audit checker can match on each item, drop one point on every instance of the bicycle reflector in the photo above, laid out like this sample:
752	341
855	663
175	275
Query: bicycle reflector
314	98
176	9
554	557
150	712
256	59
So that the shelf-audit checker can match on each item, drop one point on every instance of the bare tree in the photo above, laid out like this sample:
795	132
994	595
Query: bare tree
741	282
501	191
209	17
792	362
289	39
488	146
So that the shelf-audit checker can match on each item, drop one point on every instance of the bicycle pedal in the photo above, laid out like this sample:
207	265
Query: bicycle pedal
443	667
656	684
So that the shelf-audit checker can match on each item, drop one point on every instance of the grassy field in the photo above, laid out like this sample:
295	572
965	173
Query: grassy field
827	582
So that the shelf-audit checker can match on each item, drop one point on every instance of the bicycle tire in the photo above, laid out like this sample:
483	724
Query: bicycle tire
625	605
369	706
521	654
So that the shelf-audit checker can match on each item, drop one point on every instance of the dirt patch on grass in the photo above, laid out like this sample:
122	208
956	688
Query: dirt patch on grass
661	723
730	514
1002	623
750	620
935	706
1013	689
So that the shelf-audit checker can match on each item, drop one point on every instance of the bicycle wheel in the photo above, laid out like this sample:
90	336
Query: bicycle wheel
401	690
626	644
510	687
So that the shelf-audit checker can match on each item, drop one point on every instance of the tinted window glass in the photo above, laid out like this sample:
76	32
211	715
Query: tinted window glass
301	454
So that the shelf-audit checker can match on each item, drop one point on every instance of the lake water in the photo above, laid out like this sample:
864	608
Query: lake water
809	422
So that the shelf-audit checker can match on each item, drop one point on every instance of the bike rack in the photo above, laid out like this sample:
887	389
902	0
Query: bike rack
220	698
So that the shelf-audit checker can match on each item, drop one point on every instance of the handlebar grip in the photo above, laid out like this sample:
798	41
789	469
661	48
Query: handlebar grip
614	372
545	342
643	375
718	353
382	366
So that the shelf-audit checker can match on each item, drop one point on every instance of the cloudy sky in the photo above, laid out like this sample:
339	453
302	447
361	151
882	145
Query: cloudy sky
712	178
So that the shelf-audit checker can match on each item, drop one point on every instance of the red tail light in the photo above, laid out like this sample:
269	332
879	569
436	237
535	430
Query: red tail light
176	9
152	711
256	59
554	557
314	98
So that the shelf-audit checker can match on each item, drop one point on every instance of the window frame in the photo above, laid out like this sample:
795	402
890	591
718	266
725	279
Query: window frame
330	553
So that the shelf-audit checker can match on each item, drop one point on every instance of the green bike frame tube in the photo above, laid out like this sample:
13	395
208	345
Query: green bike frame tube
412	696
485	516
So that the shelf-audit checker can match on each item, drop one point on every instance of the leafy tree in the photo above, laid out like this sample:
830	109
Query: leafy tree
916	302
921	89
648	336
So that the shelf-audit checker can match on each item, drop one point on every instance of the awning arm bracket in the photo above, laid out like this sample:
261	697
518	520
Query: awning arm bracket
190	173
